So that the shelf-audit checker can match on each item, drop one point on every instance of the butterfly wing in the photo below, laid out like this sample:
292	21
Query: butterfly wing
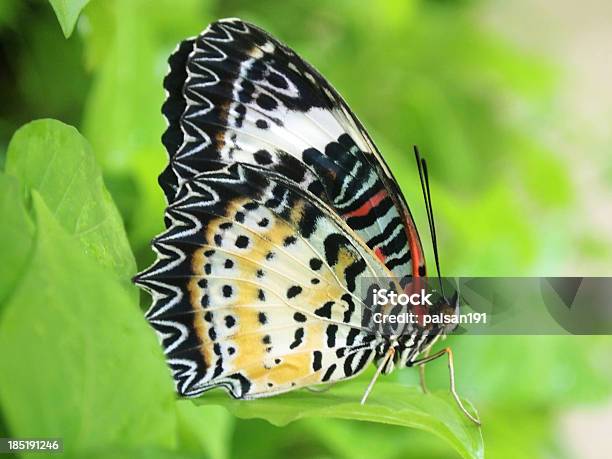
236	94
258	287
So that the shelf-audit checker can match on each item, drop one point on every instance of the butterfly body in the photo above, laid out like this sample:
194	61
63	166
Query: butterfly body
280	208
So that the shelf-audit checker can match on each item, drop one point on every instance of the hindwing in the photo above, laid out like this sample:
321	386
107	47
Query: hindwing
257	287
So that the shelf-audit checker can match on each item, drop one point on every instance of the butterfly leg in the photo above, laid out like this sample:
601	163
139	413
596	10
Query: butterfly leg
422	374
388	356
451	369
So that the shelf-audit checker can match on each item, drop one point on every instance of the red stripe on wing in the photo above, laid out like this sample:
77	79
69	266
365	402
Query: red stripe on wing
365	208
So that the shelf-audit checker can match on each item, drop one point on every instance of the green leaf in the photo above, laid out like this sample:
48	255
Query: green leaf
368	437
205	429
67	12
17	232
390	403
83	364
54	159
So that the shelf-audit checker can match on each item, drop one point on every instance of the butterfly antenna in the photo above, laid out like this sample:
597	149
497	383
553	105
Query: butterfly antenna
424	176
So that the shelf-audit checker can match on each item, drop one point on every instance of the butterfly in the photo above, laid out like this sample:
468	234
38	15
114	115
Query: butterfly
279	207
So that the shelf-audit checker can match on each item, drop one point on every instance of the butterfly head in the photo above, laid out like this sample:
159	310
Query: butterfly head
442	315
440	319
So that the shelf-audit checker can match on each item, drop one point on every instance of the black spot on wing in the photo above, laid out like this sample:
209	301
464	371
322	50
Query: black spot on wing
316	360
332	245
294	291
328	373
325	311
266	102
315	264
331	335
299	317
263	157
352	334
352	271
298	338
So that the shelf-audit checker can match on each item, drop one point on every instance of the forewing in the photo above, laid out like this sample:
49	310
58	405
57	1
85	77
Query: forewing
236	94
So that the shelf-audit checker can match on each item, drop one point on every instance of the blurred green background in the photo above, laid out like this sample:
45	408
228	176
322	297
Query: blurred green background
498	98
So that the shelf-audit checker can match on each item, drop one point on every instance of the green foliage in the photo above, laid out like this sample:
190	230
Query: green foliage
18	229
54	159
68	320
67	12
81	360
390	404
72	378
204	429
